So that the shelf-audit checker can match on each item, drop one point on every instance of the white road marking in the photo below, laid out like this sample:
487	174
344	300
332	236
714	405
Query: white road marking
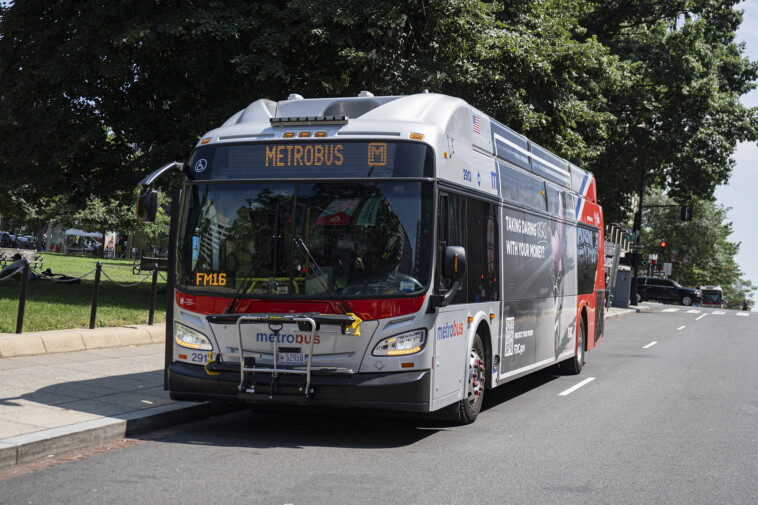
681	328
743	314
574	388
670	310
651	344
718	312
693	311
701	317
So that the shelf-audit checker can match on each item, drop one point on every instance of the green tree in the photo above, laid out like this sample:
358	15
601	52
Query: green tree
678	113
625	88
699	250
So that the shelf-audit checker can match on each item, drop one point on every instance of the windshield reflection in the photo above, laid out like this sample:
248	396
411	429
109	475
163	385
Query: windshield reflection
363	240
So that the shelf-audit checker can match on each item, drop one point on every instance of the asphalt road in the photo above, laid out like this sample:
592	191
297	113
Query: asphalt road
671	416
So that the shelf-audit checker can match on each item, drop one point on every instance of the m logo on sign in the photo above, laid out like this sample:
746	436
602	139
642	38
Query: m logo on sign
377	154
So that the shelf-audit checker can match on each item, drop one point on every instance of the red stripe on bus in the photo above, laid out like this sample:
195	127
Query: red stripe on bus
365	309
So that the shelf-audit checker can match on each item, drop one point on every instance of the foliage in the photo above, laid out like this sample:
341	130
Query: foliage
700	249
678	113
626	88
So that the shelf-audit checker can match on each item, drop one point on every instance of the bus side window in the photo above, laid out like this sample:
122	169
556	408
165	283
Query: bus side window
482	251
587	249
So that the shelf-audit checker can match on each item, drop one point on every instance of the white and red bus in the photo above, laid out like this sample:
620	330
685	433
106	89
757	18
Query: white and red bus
396	252
712	296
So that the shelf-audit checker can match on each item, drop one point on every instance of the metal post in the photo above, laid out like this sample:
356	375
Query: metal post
22	300
95	295
638	230
152	294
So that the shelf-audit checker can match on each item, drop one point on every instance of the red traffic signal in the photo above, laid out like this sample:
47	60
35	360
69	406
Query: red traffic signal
663	244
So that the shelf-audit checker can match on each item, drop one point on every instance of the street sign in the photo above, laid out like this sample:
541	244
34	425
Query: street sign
637	247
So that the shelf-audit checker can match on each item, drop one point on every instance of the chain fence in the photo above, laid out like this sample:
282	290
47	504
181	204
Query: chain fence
24	274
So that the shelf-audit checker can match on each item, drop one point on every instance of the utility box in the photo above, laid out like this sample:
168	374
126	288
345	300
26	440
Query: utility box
622	288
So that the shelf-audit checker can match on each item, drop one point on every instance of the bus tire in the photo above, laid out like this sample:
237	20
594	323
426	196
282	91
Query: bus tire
573	366
471	405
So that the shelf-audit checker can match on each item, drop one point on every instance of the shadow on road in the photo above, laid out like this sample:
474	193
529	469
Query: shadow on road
262	428
495	397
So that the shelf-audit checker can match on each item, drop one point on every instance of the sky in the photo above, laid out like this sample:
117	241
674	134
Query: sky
740	192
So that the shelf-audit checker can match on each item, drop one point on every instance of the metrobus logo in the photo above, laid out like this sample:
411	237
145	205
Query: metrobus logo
286	338
377	154
449	330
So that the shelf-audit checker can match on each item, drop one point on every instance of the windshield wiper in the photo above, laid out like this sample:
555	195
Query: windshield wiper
243	287
322	277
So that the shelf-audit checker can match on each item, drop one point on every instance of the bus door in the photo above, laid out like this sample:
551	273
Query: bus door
450	332
473	224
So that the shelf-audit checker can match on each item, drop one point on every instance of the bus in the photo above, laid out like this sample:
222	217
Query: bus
404	253
712	296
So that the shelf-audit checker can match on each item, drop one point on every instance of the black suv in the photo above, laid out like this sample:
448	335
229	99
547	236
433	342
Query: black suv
666	290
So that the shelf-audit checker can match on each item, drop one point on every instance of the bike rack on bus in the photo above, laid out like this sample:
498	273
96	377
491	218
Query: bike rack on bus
275	324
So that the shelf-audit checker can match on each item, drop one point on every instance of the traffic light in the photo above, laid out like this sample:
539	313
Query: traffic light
686	213
663	245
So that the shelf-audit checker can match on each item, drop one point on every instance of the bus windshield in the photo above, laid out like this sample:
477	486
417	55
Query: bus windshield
711	296
306	239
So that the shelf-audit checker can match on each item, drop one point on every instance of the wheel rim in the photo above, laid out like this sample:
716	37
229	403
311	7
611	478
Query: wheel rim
686	300
475	377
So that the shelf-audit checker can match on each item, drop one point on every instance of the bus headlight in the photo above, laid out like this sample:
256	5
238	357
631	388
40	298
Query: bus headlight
401	345
192	339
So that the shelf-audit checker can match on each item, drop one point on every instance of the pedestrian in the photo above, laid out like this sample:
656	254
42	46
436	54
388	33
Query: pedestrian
744	304
607	297
697	300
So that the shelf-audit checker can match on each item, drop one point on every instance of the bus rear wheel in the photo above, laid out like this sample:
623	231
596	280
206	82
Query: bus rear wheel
573	366
471	405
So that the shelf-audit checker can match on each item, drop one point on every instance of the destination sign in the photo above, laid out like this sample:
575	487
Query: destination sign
311	159
288	155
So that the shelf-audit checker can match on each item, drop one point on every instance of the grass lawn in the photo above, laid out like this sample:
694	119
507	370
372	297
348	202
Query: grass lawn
53	305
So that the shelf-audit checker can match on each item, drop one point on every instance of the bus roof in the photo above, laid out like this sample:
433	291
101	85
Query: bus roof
454	128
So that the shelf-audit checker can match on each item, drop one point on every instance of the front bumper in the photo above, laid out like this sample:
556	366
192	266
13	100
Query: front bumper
402	391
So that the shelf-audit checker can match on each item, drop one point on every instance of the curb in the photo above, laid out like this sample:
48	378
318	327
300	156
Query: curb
627	312
78	339
25	448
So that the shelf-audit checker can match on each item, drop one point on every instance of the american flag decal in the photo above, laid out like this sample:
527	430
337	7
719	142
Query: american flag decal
476	125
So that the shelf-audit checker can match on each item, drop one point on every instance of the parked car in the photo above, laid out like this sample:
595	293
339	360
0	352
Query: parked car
666	291
26	242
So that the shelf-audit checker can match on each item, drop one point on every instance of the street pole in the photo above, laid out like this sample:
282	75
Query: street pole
636	258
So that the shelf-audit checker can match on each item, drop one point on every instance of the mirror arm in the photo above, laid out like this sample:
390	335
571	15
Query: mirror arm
174	166
444	300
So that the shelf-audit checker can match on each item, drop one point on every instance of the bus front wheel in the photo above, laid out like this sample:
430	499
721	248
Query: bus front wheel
471	405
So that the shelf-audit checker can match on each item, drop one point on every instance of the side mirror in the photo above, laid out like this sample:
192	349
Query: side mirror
147	206
454	263
453	268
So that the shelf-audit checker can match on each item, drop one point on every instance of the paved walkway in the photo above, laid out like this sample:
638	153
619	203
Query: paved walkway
66	390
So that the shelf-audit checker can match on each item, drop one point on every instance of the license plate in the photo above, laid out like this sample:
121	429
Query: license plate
290	358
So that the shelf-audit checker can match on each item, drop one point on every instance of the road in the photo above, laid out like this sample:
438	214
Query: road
670	416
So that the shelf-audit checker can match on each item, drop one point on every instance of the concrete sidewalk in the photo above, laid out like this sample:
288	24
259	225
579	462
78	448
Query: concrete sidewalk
67	390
